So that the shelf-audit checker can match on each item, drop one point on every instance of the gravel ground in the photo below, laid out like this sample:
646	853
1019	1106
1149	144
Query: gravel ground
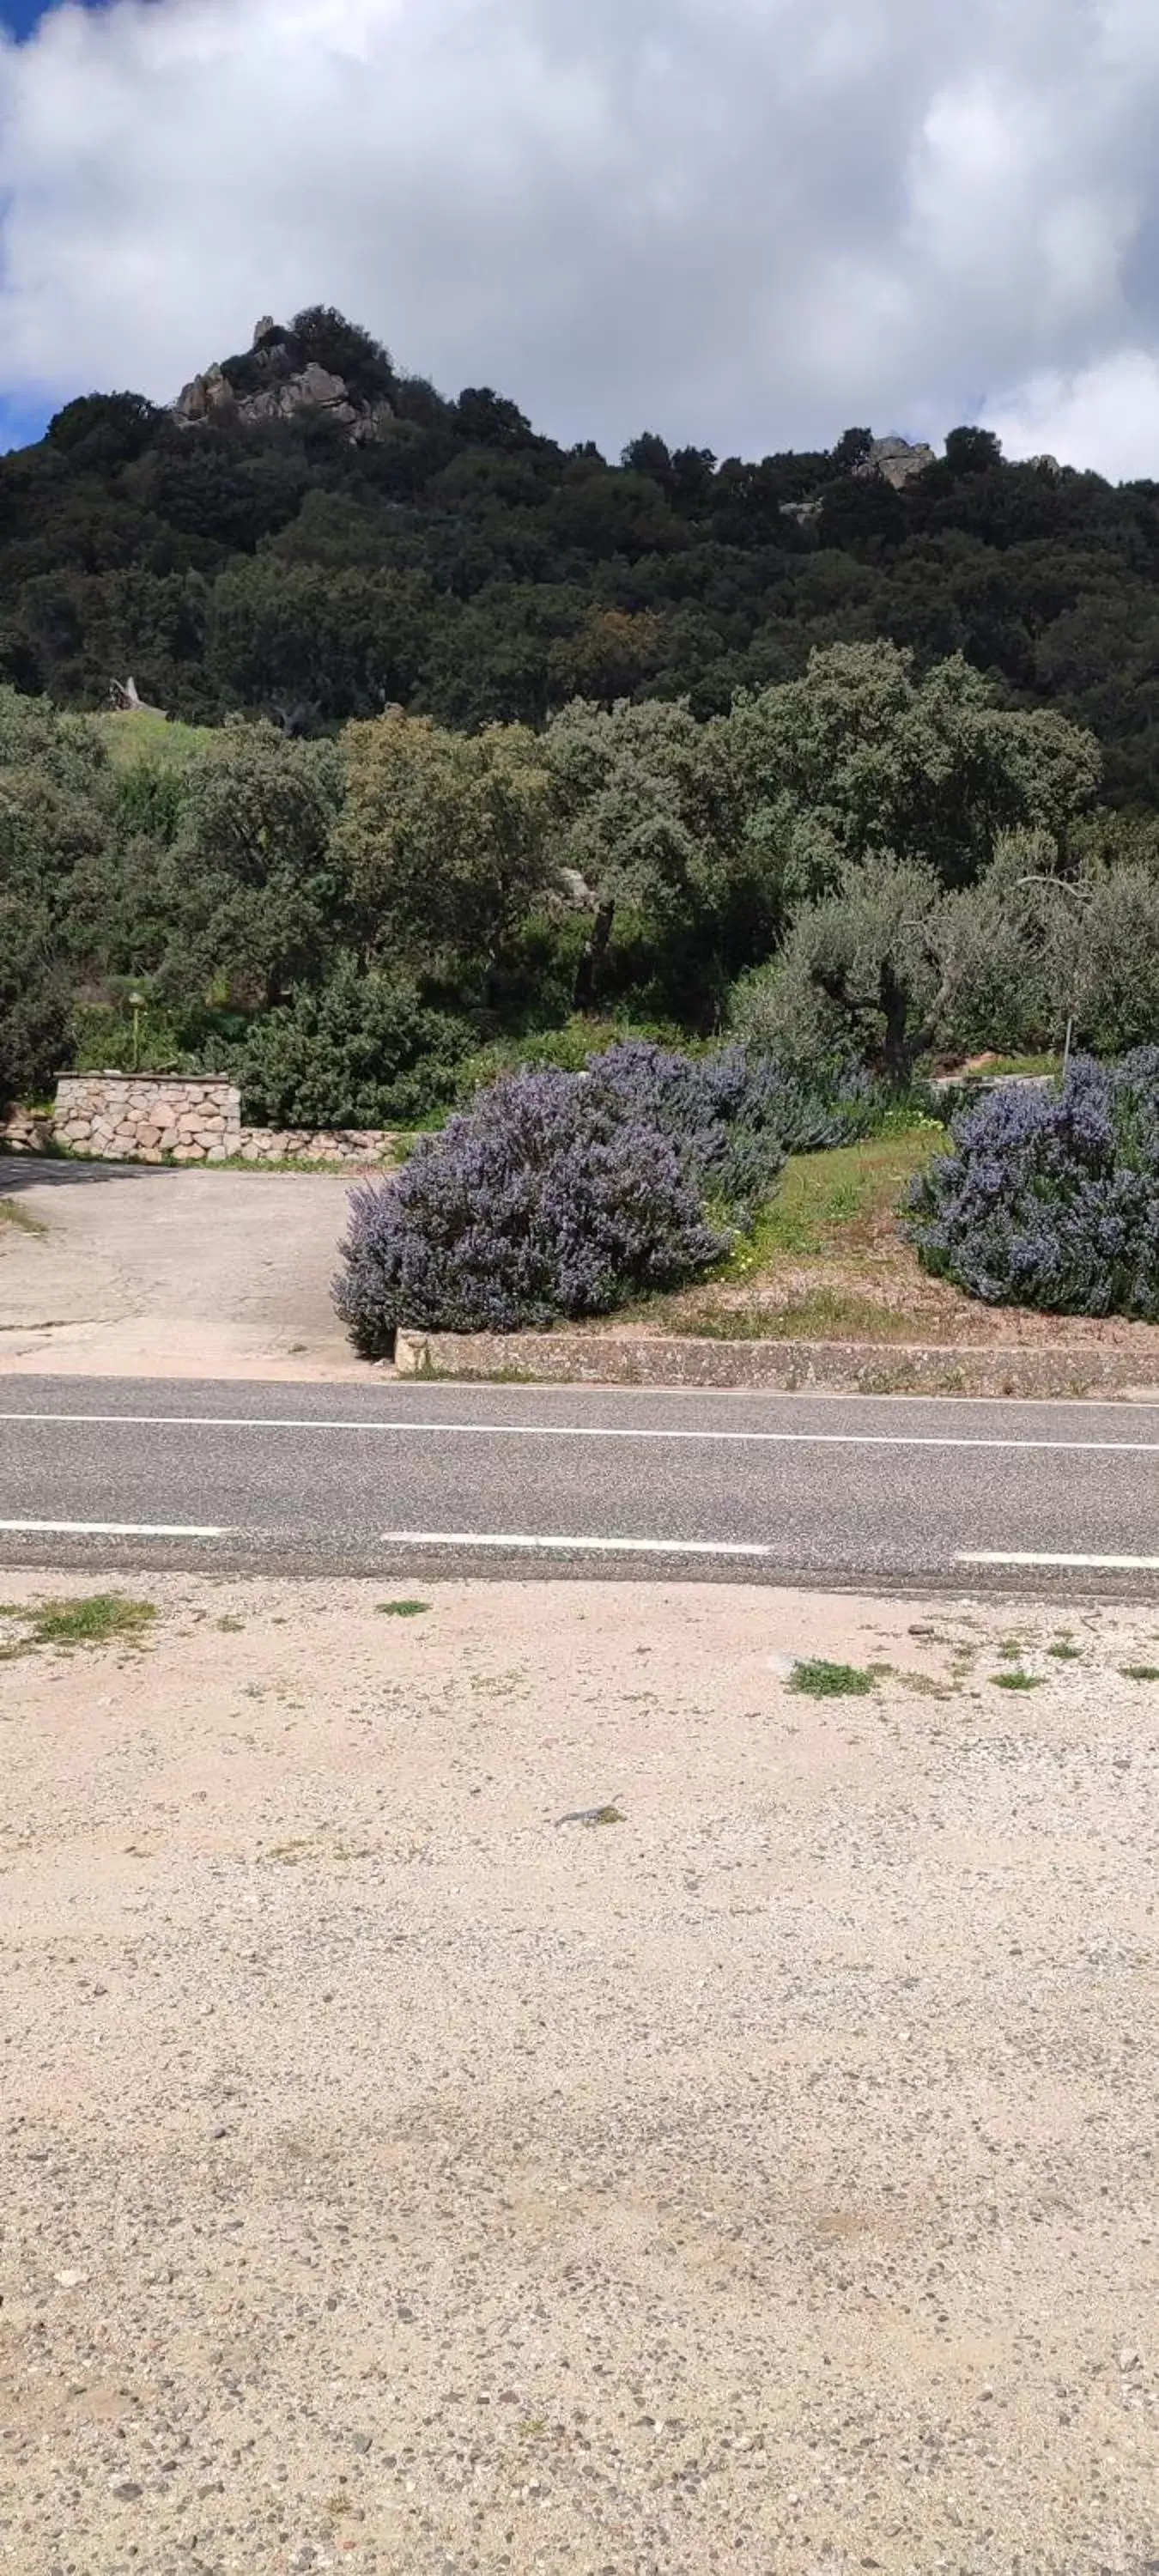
396	2178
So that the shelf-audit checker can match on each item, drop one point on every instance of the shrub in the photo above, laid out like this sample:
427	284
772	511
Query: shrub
719	1111
737	1113
821	1680
365	1051
549	1198
1052	1200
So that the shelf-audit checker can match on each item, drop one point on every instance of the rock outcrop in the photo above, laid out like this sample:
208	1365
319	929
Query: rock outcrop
274	386
888	460
897	461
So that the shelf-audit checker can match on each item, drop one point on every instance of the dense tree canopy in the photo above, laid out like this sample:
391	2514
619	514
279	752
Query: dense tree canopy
885	861
471	732
461	566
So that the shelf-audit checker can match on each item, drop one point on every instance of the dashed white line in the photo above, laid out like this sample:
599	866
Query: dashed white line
116	1529
1031	1556
592	1546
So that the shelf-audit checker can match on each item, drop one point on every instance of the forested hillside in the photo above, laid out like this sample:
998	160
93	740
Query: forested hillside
388	546
476	748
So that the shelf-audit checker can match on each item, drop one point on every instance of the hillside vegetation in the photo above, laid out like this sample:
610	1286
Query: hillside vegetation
483	751
456	563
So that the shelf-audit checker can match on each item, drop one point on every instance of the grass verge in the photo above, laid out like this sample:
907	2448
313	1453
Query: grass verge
825	1260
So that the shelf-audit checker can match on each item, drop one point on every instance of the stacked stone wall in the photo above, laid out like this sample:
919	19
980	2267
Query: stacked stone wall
148	1117
360	1148
27	1131
180	1118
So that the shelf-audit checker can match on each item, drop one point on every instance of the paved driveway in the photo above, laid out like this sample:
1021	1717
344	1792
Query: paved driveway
125	1269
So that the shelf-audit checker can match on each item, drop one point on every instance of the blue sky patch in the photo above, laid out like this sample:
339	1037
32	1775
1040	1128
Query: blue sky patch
20	16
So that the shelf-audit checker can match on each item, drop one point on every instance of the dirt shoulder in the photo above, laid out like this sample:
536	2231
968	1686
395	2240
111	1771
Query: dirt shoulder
399	2178
134	1271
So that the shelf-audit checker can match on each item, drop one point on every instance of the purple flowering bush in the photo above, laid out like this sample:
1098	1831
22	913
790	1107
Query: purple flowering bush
1052	1200
735	1114
714	1109
552	1196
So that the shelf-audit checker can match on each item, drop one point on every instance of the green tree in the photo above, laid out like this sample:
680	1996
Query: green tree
973	451
859	974
654	823
444	840
930	769
52	824
252	892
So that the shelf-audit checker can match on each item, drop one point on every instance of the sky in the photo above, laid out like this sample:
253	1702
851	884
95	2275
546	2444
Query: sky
748	224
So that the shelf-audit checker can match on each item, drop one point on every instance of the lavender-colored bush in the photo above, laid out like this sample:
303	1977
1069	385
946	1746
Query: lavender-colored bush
1051	1200
735	1114
550	1197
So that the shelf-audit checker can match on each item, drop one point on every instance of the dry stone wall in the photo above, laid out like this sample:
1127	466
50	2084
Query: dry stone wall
181	1118
26	1131
358	1148
148	1117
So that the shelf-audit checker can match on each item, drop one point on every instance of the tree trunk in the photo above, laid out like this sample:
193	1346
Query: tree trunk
591	959
895	1011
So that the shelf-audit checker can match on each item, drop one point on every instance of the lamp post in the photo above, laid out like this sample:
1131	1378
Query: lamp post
136	1005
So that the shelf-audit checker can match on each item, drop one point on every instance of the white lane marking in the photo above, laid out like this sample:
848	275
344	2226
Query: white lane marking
117	1529
1027	1556
583	1431
600	1546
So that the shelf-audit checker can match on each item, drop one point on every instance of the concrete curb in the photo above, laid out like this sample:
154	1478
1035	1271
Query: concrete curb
840	1368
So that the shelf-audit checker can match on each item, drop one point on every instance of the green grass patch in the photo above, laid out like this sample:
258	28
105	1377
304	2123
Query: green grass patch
1017	1681
821	1680
401	1609
822	1197
1064	1653
100	1619
1140	1672
1025	1064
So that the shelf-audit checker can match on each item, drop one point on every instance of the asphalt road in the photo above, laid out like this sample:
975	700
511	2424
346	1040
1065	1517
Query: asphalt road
440	1479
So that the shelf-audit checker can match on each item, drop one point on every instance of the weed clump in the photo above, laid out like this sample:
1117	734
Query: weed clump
99	1619
821	1680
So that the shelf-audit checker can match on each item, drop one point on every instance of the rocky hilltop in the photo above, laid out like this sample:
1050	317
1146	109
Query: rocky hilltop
896	460
277	379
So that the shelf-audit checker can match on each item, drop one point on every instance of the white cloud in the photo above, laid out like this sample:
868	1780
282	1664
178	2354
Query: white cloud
747	222
1107	415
